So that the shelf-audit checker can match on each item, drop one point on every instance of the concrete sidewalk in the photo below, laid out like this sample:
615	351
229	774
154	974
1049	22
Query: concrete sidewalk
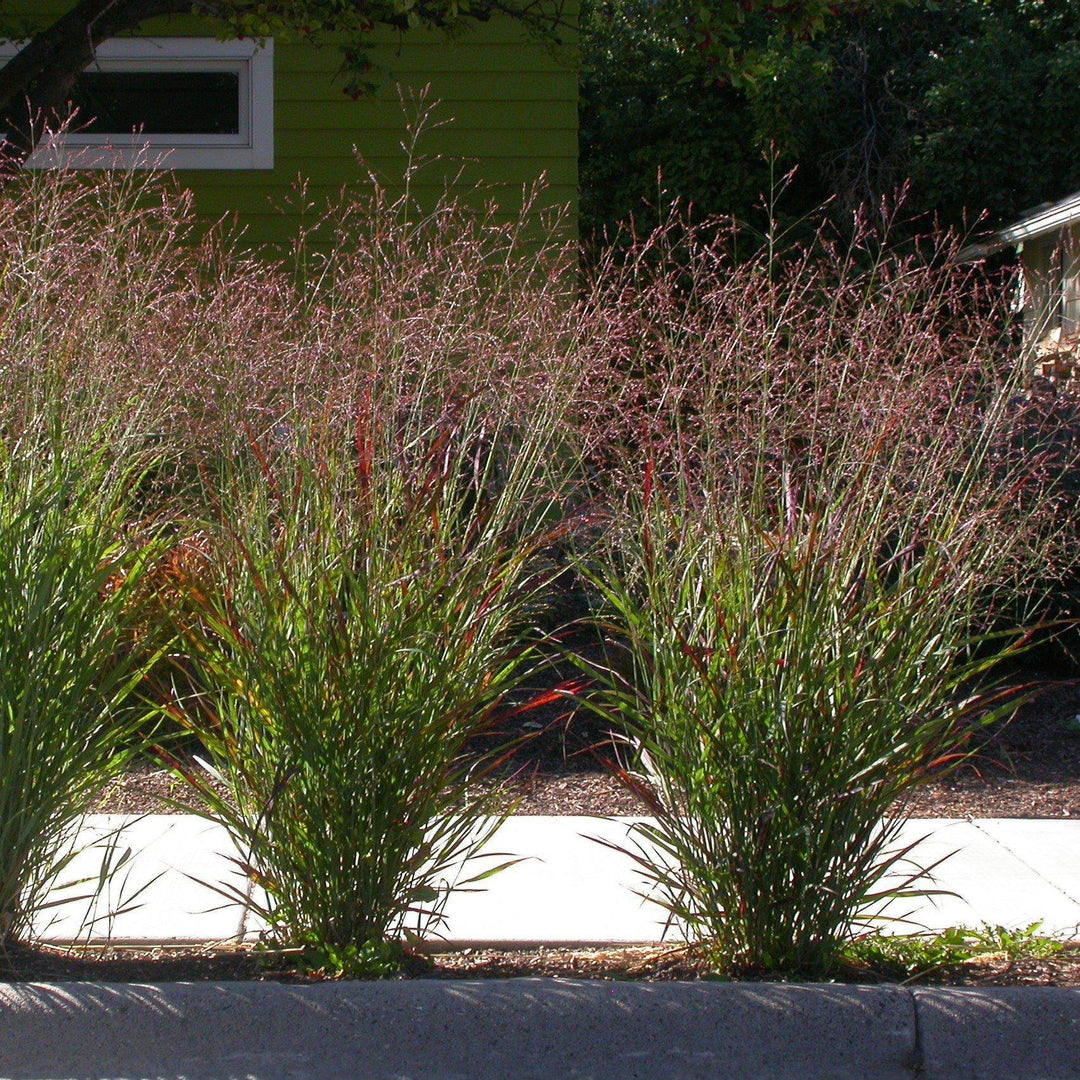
568	890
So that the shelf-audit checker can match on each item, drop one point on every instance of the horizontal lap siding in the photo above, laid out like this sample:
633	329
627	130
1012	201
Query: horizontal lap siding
509	106
504	114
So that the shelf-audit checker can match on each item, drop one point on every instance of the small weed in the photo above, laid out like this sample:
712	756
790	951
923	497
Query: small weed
910	958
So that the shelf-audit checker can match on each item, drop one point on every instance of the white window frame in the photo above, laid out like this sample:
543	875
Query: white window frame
251	148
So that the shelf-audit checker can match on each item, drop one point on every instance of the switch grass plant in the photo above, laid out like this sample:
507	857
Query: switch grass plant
375	441
372	613
787	692
69	716
382	555
801	583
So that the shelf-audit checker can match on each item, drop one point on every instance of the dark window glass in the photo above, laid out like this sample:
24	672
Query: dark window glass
158	103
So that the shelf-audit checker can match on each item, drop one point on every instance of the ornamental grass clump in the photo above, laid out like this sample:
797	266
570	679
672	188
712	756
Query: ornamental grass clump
801	584
380	565
788	689
69	715
372	613
364	456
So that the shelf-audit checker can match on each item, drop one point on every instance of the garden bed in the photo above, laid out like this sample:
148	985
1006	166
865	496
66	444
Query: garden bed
323	521
1024	967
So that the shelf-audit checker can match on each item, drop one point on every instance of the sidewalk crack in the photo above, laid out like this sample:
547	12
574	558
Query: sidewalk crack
1020	859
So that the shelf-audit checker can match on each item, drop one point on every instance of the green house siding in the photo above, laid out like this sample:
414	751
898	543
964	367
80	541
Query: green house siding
507	115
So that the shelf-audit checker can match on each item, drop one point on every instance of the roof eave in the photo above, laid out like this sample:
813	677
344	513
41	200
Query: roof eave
1049	220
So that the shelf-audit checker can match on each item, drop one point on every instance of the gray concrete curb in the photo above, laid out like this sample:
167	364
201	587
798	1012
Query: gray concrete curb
522	1029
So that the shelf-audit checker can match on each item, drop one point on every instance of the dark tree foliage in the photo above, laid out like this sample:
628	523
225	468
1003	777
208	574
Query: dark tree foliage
972	102
665	113
968	105
653	128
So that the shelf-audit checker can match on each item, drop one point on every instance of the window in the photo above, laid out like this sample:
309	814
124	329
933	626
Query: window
185	103
1070	288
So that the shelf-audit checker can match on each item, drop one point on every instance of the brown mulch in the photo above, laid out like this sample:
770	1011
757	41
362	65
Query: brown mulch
1029	768
651	963
147	788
